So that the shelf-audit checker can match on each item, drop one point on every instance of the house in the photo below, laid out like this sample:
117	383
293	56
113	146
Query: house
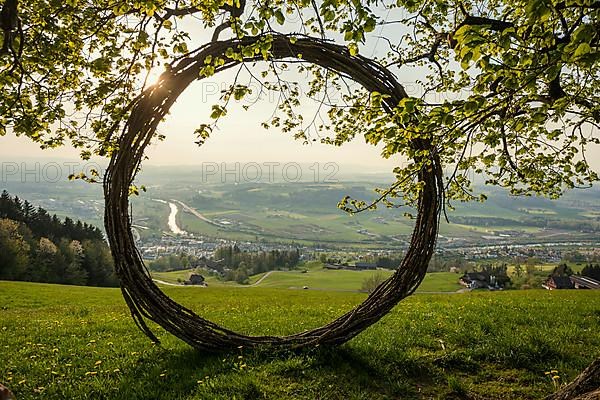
475	280
211	265
584	282
365	266
195	279
359	266
494	278
558	282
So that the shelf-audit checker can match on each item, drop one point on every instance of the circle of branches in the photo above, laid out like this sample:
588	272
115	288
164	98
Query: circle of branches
147	302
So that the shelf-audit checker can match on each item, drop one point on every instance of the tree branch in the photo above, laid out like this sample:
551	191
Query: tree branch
494	24
234	13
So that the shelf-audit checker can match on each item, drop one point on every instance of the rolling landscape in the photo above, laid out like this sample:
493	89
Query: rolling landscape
306	212
300	200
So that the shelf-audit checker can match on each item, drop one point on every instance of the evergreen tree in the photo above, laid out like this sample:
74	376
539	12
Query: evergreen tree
592	271
28	211
97	262
75	274
562	270
37	246
18	209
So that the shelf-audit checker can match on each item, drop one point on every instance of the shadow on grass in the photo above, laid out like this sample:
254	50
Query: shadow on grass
325	373
351	371
169	374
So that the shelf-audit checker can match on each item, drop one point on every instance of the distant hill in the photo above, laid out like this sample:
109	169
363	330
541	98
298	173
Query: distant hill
305	212
39	247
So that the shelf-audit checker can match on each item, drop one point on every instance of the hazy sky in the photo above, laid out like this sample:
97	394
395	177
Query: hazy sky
239	136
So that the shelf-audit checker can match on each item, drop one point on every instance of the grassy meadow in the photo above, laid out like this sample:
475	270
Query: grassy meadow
306	213
66	342
318	278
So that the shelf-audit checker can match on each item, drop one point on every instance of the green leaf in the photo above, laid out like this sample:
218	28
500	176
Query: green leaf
217	112
353	49
580	167
471	106
466	60
369	25
329	16
582	50
408	104
279	17
248	51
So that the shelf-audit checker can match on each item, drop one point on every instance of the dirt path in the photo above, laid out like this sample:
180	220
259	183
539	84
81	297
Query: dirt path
166	283
262	278
175	284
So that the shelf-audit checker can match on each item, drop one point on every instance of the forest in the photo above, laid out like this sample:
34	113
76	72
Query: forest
36	246
240	265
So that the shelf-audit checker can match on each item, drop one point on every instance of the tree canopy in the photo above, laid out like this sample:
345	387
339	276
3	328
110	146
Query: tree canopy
40	247
509	87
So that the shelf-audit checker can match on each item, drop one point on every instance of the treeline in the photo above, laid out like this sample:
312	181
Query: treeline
387	262
592	271
566	224
38	247
42	224
437	264
240	265
174	262
486	221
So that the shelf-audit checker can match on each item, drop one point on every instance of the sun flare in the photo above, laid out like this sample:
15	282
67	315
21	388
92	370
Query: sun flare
153	76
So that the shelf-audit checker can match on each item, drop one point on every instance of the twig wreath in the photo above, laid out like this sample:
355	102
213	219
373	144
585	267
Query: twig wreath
147	302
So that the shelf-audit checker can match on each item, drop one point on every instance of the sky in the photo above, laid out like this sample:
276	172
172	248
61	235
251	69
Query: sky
239	136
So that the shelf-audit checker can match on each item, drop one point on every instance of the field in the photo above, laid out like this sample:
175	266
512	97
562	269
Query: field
61	342
321	279
305	212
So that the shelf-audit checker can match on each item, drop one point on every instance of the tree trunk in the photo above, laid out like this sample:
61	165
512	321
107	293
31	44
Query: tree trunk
585	387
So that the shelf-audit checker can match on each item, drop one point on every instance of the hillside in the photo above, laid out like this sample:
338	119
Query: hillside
305	212
81	343
40	247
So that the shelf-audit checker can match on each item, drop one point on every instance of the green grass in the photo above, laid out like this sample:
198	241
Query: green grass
64	342
352	280
318	278
176	276
440	282
172	276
